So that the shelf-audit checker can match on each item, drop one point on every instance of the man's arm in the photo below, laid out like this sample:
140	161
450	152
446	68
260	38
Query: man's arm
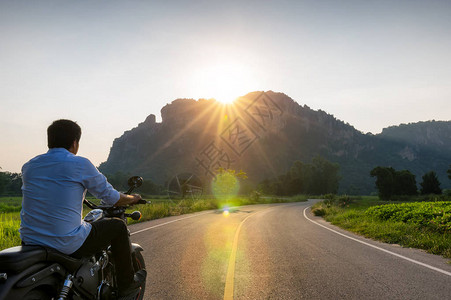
97	184
127	199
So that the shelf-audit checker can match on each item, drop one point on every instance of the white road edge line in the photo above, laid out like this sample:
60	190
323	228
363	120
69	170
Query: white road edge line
378	248
166	223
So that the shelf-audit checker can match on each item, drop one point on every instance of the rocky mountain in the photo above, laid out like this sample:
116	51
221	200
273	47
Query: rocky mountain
263	133
432	134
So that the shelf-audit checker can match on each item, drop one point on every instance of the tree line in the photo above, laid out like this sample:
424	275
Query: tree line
11	184
318	177
390	182
119	181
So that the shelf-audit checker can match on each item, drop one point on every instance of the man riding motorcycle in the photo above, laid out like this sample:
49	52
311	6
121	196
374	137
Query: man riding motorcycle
54	186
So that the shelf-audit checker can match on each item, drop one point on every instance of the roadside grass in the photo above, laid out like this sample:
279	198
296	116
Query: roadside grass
159	207
9	230
10	204
409	224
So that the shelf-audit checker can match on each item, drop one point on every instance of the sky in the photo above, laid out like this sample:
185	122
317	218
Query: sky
110	64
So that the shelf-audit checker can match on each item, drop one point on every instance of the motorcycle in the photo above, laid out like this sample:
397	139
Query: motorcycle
35	272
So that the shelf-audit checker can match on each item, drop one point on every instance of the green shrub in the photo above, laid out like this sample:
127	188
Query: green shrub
423	225
433	215
319	212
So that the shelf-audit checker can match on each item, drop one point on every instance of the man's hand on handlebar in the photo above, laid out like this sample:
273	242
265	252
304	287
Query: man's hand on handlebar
128	199
137	198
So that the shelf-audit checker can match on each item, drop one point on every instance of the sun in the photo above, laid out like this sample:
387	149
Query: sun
226	99
224	81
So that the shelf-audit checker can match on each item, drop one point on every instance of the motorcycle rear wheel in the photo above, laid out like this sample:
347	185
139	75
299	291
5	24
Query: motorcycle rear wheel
139	264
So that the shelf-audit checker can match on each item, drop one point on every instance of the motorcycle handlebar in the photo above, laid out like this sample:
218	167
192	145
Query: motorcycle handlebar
133	183
94	206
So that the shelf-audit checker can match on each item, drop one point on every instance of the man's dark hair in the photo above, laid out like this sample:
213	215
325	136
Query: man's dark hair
62	134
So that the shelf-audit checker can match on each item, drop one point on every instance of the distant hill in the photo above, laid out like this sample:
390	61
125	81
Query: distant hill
263	133
431	134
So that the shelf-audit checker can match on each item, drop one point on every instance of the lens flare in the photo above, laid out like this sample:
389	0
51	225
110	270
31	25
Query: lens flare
225	185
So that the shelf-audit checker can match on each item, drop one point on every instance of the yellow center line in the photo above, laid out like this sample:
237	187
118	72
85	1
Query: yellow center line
228	291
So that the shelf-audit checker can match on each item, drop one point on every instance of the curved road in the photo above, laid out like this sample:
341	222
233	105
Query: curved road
280	251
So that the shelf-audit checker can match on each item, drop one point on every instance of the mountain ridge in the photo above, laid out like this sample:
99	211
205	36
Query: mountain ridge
263	133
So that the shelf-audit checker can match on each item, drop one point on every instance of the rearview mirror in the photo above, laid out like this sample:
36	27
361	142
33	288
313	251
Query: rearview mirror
135	181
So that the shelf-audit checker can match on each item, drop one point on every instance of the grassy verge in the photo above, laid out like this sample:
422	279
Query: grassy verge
159	208
422	225
9	230
10	204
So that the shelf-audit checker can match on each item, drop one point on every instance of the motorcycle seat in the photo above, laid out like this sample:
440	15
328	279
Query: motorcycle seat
17	259
70	263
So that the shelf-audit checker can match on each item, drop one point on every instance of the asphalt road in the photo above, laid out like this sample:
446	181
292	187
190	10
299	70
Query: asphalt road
280	251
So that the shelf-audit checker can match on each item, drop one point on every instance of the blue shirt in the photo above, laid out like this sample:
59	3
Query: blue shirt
54	186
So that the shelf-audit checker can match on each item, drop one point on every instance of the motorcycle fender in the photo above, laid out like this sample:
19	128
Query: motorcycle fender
36	277
10	288
136	247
